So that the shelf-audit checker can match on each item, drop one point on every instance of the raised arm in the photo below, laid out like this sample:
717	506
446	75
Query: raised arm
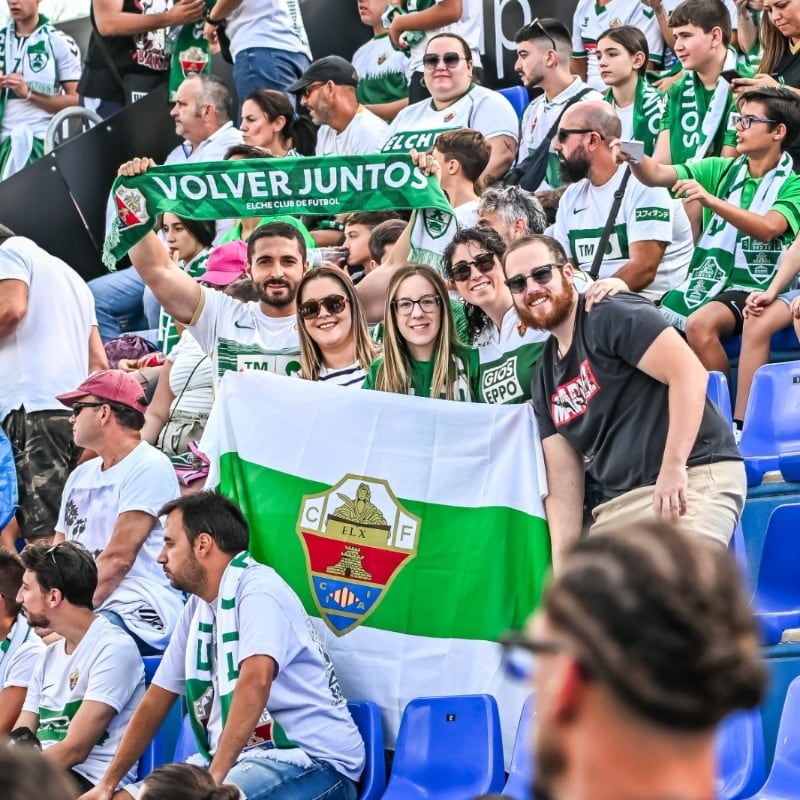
648	171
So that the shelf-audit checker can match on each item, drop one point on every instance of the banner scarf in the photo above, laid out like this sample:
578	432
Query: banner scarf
257	187
648	106
191	53
719	261
213	648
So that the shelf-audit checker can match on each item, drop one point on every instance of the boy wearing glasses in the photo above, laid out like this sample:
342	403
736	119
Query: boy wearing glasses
750	214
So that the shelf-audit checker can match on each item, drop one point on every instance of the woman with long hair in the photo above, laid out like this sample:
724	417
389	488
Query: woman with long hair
507	348
335	344
421	352
270	121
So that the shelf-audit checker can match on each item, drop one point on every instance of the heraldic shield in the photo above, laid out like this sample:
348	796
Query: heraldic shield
357	538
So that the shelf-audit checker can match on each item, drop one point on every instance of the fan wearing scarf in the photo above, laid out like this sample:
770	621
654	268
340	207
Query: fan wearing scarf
751	213
696	118
39	71
264	702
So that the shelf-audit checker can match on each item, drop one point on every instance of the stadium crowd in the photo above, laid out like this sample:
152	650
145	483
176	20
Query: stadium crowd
640	210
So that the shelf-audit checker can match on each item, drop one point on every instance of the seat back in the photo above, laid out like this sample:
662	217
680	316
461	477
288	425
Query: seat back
186	744
8	481
784	777
367	718
778	583
517	96
739	550
520	774
68	123
448	748
719	393
740	755
772	419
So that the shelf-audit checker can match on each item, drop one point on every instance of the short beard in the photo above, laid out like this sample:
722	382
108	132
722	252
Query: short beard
549	764
277	301
194	577
576	168
38	622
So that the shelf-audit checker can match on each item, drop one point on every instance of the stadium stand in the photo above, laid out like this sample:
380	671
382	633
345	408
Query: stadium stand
740	755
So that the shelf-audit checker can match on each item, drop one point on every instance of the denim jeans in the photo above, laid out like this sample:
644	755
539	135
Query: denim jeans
118	303
266	68
265	779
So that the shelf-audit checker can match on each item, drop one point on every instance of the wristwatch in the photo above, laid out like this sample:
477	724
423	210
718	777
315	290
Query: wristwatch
213	22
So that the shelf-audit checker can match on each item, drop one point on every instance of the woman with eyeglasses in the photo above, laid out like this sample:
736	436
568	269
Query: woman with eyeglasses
335	345
507	348
270	121
456	102
421	352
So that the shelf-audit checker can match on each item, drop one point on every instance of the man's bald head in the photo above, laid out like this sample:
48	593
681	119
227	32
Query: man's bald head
593	115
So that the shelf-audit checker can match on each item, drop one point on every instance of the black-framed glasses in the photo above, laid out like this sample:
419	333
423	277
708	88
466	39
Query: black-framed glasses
520	653
461	270
564	133
536	24
333	304
542	275
51	551
450	60
76	407
744	123
427	303
307	90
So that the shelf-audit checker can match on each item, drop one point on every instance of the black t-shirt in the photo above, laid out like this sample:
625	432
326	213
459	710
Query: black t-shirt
612	413
788	68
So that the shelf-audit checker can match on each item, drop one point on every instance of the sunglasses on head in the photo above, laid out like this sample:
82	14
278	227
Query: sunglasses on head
461	270
51	551
450	60
542	275
537	25
333	304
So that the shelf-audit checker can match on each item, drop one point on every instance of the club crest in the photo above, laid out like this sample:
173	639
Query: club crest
193	60
131	207
357	538
38	56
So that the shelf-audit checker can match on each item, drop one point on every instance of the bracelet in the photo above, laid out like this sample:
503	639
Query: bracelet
30	92
213	22
331	225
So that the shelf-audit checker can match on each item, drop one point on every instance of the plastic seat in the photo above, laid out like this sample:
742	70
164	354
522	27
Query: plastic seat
448	748
186	745
789	465
772	419
367	718
740	755
162	746
520	775
68	123
738	548
719	393
777	597
8	481
784	777
517	96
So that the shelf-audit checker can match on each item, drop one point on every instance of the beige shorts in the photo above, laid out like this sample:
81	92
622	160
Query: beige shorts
715	499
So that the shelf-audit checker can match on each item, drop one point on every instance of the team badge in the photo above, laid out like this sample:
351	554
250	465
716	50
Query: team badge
615	23
436	222
382	58
131	207
38	56
357	539
193	59
73	679
450	117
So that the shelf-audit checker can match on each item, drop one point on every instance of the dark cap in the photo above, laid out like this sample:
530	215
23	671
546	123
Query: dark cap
330	68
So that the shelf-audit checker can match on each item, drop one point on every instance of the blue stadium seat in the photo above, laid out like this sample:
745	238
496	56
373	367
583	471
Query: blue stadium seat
160	749
782	341
448	748
367	718
517	96
784	777
185	745
772	419
789	465
740	755
520	775
777	598
720	394
739	549
8	481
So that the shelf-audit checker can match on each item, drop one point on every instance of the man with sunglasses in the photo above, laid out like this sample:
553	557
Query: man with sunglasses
650	244
643	644
619	395
110	506
88	683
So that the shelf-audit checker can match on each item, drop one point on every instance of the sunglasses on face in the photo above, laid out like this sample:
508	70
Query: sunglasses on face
310	89
450	60
461	270
564	133
541	275
76	407
333	304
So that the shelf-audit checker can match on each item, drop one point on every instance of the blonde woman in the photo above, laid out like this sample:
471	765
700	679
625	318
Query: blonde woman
421	352
335	344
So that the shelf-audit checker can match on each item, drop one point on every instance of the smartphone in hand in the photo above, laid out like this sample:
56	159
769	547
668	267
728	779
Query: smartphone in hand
633	149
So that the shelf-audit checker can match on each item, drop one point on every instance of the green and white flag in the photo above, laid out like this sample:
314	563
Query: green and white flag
412	529
323	185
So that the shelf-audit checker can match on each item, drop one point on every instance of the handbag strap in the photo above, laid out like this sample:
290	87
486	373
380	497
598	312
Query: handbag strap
112	67
612	216
554	127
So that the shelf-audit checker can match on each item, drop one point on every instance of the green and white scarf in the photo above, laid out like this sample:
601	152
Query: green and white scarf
191	53
647	110
720	260
699	124
36	61
17	637
213	649
258	188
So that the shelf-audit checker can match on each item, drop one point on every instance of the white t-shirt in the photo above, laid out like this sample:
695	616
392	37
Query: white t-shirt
211	149
353	375
93	499
190	379
646	214
590	20
49	352
305	698
19	112
365	134
18	662
469	28
382	71
479	108
467	213
268	23
240	336
670	5
106	668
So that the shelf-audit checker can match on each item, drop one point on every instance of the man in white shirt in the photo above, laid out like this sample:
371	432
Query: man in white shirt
110	506
651	243
87	683
48	344
328	90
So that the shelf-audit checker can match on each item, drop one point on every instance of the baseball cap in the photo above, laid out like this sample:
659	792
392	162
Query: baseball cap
330	68
109	384
225	264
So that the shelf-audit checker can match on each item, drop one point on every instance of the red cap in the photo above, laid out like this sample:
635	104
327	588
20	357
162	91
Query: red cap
109	384
225	264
